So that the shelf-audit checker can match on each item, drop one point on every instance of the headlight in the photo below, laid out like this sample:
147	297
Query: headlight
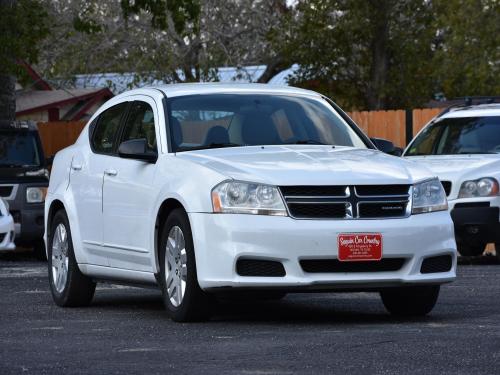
246	198
429	196
484	187
35	194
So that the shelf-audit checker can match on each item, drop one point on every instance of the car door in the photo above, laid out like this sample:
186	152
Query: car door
129	194
86	180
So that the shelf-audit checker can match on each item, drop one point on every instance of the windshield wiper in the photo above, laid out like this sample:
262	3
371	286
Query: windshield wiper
307	142
210	145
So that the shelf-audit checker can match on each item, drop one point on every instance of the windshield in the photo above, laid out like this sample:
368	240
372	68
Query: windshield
461	135
18	149
231	120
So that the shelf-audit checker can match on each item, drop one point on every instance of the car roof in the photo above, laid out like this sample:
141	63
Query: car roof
182	89
477	110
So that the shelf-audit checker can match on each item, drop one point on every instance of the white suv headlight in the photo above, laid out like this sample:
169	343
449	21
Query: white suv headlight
484	187
429	196
36	194
238	197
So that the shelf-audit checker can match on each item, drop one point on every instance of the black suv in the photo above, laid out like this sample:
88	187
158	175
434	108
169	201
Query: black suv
24	180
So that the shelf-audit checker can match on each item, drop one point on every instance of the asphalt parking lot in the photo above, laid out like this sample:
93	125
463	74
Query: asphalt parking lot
126	331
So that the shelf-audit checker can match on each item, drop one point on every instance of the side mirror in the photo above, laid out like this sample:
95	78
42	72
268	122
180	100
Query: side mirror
137	149
386	146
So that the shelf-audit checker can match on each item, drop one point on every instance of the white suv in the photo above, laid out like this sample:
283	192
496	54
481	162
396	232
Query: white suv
209	189
7	232
462	147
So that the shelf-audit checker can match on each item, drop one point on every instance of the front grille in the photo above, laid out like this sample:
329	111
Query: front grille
382	209
347	202
446	187
319	211
336	266
437	264
6	190
258	267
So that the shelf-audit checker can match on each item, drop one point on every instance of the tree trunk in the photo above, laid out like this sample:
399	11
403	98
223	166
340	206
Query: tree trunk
7	97
272	69
378	73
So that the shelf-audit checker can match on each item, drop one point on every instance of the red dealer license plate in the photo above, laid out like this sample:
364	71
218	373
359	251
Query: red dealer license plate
359	246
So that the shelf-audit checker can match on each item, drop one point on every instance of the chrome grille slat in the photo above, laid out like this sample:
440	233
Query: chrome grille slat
372	204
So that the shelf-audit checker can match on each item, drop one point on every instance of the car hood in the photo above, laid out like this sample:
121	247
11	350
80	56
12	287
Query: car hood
458	168
308	165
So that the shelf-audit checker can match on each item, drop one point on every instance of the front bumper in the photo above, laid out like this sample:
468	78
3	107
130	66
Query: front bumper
221	239
7	233
476	221
28	222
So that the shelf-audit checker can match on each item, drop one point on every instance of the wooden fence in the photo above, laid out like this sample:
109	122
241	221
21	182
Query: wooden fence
390	125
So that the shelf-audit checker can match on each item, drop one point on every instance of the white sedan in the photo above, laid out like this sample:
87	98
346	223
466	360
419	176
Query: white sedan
210	189
7	232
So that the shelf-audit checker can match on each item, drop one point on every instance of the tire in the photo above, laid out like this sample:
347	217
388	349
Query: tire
497	251
183	298
410	301
39	250
470	251
70	288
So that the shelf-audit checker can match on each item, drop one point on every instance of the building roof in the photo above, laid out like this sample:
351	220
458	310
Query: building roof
39	100
120	82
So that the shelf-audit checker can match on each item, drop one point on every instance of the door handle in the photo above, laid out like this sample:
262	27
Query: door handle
76	167
110	172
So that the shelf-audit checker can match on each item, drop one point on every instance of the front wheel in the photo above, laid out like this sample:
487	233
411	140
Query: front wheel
182	295
69	287
410	301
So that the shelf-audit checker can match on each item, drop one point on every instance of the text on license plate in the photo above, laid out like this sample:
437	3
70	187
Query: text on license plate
359	246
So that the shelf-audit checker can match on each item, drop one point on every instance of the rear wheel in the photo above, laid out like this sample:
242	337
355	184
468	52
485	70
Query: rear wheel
410	301
183	298
69	287
497	250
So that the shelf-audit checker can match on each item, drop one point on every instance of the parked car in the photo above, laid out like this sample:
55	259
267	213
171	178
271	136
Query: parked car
204	189
462	147
7	233
24	179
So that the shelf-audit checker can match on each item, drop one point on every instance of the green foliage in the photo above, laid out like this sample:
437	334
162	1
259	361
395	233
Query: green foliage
181	11
467	58
23	24
365	54
374	54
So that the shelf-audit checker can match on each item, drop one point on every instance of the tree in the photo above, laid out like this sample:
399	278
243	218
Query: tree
367	54
174	41
467	50
23	23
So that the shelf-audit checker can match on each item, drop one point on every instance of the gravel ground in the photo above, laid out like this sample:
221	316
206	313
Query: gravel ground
126	331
